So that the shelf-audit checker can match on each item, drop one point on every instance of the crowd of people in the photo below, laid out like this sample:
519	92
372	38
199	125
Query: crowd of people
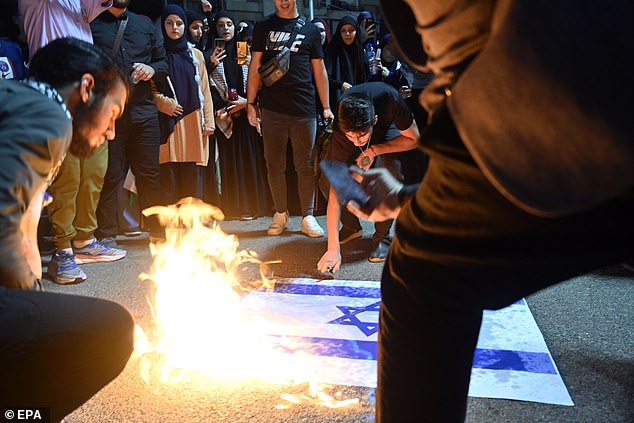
188	129
174	103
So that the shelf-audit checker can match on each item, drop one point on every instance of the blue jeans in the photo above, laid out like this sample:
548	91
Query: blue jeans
277	129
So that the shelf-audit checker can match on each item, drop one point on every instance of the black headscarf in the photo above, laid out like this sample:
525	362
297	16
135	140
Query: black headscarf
233	71
180	65
346	63
193	16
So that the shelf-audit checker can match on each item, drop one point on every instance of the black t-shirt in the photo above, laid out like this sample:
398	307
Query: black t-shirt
393	114
294	94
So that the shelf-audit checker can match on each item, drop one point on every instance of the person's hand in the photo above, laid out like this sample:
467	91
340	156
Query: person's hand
238	104
224	112
176	109
345	87
208	131
366	32
217	56
206	6
142	72
329	262
385	72
327	113
252	116
383	189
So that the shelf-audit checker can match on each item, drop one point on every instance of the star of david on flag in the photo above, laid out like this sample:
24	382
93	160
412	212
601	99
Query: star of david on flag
338	322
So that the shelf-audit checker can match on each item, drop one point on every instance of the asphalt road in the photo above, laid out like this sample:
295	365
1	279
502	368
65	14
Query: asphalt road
587	322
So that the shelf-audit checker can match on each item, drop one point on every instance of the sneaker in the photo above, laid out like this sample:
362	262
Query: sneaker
63	270
96	252
346	235
109	241
379	252
132	232
311	228
280	220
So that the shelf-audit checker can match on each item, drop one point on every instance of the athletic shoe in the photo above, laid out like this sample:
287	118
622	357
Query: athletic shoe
109	241
280	220
63	270
97	252
311	228
132	232
346	235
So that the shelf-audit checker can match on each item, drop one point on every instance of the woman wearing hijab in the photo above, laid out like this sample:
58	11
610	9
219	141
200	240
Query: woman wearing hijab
345	60
324	31
186	111
244	188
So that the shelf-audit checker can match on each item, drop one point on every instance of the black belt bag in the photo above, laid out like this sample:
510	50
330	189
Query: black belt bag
277	66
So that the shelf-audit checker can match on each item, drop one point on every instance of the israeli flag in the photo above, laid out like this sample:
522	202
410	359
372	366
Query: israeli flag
338	320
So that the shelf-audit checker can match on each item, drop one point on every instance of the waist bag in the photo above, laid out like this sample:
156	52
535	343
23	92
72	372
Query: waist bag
277	66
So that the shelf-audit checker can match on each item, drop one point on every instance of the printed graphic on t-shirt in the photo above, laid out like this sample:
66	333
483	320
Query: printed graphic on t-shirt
276	41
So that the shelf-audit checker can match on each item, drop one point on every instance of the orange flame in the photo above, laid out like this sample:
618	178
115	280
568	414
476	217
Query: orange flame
196	308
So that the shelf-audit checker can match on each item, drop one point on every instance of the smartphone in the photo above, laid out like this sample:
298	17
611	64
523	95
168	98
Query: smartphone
243	52
347	189
219	43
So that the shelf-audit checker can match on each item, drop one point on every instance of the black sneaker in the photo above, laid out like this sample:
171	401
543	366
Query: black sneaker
346	235
379	252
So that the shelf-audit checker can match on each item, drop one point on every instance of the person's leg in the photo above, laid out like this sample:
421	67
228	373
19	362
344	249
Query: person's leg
302	135
62	210
275	134
113	180
168	181
143	154
58	350
93	171
426	348
382	237
461	247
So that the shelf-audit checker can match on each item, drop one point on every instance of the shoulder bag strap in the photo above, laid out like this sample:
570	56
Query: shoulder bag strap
117	40
301	21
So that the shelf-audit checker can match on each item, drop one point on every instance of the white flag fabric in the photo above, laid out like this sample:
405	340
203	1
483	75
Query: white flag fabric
335	322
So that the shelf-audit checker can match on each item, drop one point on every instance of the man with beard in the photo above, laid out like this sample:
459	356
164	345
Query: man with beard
56	350
139	53
76	190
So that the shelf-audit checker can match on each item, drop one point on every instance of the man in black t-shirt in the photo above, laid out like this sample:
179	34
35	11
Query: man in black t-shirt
288	108
373	124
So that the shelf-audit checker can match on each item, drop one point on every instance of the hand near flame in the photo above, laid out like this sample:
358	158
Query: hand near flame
330	261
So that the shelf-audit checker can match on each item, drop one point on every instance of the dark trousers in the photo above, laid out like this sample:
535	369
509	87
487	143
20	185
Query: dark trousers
136	146
461	247
182	179
58	350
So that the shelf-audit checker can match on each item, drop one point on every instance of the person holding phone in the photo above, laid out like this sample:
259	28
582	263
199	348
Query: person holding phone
244	188
373	125
509	205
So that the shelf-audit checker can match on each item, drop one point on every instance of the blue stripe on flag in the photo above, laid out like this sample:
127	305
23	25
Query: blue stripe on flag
327	290
522	361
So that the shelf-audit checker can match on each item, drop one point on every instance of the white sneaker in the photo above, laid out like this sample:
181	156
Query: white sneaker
311	228
280	220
